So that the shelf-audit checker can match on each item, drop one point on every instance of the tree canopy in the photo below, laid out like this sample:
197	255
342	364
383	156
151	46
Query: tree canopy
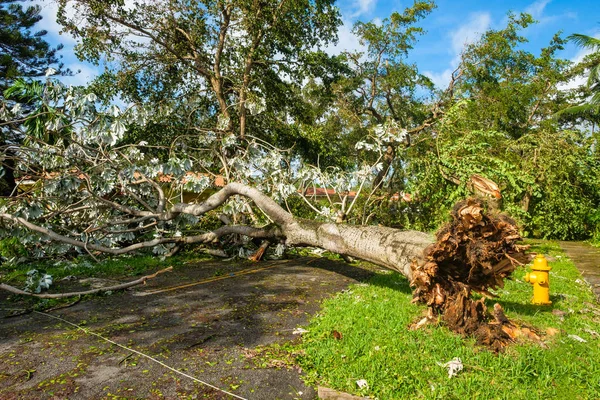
220	93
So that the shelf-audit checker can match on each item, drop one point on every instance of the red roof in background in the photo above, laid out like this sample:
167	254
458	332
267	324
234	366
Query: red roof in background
219	180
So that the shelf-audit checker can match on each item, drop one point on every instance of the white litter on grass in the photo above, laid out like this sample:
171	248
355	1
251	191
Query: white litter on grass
454	366
578	338
362	383
299	331
593	333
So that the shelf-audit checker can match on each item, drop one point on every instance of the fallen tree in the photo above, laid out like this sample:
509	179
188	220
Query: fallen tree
473	253
81	192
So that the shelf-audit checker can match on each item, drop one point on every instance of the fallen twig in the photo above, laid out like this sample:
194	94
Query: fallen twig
30	310
140	281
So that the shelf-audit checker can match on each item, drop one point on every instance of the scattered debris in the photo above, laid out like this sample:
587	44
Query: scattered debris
420	324
362	383
552	331
299	331
260	252
592	333
577	338
454	366
122	286
559	313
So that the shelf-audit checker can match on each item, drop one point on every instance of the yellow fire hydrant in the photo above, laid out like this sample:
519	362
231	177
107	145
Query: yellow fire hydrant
539	278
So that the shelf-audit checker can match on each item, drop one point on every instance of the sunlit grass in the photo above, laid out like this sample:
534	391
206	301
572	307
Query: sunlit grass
398	363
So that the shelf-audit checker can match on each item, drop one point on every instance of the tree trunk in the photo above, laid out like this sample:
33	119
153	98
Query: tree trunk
388	159
391	248
8	183
474	252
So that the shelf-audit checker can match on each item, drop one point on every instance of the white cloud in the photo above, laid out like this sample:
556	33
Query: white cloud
581	79
347	41
81	78
466	34
537	8
363	7
440	79
49	12
471	31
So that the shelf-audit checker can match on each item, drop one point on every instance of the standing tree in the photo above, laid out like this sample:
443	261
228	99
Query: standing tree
496	122
589	108
224	62
24	54
383	90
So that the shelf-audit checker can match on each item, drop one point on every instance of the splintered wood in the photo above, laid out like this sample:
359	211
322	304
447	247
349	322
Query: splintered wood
473	253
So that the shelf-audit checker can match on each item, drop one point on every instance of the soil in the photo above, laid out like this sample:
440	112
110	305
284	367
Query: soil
587	260
227	332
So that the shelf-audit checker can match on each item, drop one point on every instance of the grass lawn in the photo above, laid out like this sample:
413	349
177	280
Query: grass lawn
398	364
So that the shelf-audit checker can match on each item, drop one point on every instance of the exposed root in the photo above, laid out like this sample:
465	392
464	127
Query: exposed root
473	253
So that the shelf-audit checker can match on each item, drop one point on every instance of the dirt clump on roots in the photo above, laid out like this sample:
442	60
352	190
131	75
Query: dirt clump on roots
474	253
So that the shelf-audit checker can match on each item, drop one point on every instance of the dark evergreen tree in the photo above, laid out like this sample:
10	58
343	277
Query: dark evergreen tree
23	53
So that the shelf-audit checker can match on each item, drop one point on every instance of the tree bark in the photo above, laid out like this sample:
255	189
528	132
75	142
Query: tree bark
388	159
391	248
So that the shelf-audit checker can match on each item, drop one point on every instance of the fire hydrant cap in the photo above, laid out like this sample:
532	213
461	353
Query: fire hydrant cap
540	263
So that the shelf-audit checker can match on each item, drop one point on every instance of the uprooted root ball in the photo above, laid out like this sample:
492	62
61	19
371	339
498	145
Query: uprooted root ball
475	252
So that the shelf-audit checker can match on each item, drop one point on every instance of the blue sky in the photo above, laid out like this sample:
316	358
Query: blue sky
449	27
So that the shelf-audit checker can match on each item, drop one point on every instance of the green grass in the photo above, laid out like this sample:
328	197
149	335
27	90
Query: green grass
398	363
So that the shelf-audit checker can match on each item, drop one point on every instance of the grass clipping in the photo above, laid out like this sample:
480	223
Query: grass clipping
475	252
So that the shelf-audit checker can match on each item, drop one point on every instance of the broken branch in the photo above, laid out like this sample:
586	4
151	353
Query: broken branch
140	281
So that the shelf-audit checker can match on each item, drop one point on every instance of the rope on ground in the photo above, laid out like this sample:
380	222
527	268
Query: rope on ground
87	331
217	278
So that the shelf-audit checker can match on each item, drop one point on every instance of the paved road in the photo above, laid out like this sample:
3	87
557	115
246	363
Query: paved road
223	331
587	260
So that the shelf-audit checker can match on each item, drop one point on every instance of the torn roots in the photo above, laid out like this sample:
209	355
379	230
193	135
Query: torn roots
473	253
